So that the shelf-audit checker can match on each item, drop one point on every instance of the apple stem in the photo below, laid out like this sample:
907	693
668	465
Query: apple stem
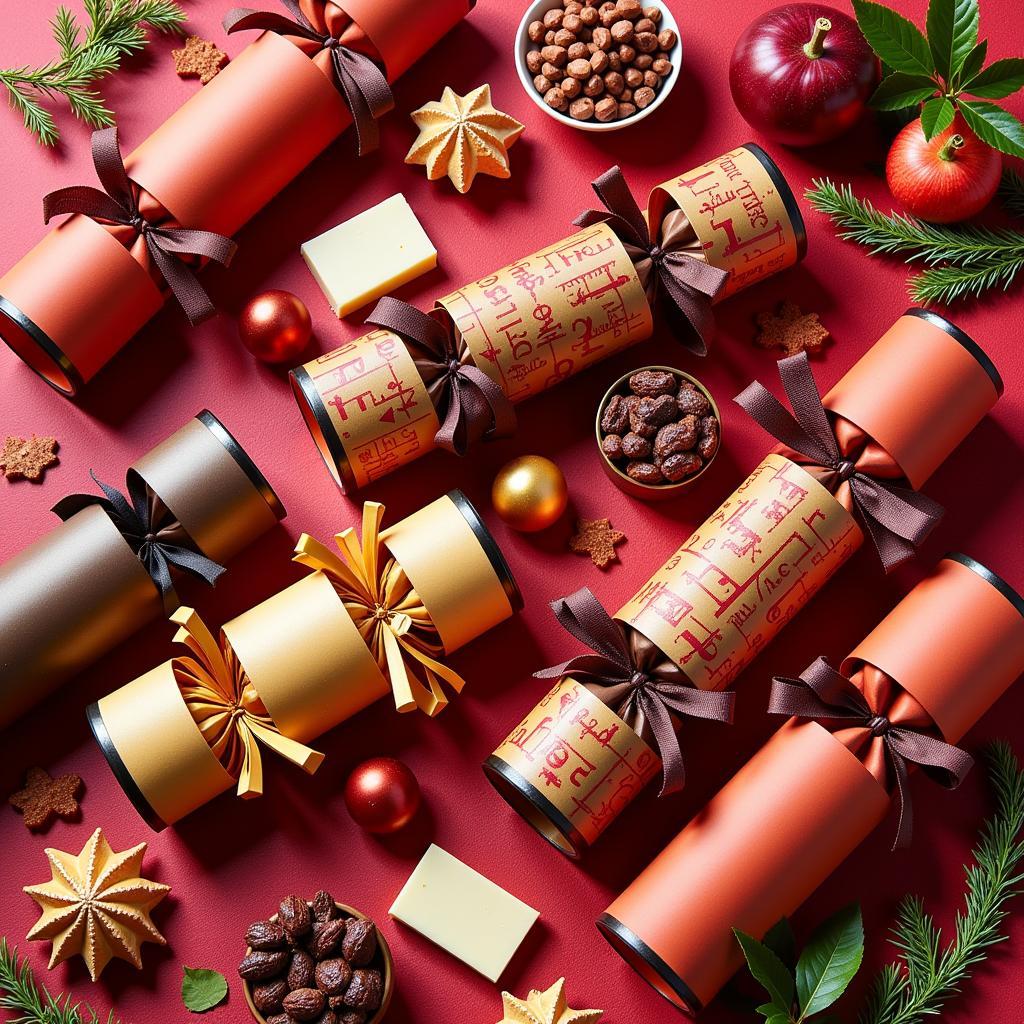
950	146
816	47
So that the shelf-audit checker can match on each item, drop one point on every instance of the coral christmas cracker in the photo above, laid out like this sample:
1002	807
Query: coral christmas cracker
378	617
824	781
849	469
192	503
450	378
75	299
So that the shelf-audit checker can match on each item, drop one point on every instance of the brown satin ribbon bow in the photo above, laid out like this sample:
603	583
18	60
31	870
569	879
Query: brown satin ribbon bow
689	282
823	692
360	81
472	405
897	518
119	204
626	686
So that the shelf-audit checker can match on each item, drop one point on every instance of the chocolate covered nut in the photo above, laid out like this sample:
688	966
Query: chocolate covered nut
549	37
365	991
589	16
651	80
633	446
553	18
534	62
679	466
348	1016
295	916
582	109
557	55
651	383
709	437
579	69
602	38
599	62
279	1018
578	51
328	937
643	25
571	87
637	425
556	99
300	970
657	411
677	437
360	942
614	61
260	965
643	97
265	935
535	30
333	976
565	39
627	54
572	23
542	84
633	77
691	401
653	14
646	42
662	67
622	32
626	98
644	473
304	1003
594	86
323	906
606	109
615	417
626	110
551	73
643	61
631	9
267	998
572	6
667	39
614	83
611	445
608	17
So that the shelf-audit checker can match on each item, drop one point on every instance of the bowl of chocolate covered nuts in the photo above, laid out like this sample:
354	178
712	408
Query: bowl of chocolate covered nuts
658	430
598	65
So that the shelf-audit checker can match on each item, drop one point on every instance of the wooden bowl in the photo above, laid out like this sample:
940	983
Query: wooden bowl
382	961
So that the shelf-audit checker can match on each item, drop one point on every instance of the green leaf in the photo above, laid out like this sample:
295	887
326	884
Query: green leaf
781	941
900	90
768	969
769	1009
829	961
936	116
779	1018
973	63
202	990
65	31
999	79
952	33
894	39
998	127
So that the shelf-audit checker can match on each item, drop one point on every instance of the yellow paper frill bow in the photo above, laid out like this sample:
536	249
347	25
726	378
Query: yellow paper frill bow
228	710
387	611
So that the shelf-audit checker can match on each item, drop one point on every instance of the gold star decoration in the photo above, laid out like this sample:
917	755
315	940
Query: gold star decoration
463	136
198	59
97	905
595	537
28	458
791	329
544	1008
43	798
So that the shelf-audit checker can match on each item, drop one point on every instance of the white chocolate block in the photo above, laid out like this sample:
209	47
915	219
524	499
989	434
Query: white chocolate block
463	912
370	255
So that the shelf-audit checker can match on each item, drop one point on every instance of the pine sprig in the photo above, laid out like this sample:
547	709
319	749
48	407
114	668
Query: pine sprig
963	261
1011	192
928	974
116	29
33	1004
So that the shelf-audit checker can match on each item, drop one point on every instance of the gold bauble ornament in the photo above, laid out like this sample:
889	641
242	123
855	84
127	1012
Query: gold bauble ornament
529	493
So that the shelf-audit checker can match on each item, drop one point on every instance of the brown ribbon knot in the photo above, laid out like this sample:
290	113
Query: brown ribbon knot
823	692
639	689
898	518
472	405
165	243
360	81
689	282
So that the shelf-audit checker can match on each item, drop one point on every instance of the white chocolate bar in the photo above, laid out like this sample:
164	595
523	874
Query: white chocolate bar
463	912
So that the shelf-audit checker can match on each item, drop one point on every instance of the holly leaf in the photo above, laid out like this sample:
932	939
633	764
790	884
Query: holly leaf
769	970
952	27
781	941
999	79
894	39
998	127
936	116
829	961
899	90
202	990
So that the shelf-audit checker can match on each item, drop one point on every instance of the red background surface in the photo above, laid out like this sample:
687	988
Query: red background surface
228	862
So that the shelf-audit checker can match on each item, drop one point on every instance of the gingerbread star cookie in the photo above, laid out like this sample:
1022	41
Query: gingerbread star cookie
547	1007
29	458
45	798
791	329
198	59
595	537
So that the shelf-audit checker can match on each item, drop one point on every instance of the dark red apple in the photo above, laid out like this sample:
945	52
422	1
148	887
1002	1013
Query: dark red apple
802	74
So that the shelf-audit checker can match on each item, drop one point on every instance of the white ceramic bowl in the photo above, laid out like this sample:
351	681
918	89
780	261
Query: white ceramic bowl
536	12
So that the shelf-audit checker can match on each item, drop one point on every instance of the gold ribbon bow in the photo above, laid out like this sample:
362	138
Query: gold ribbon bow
225	705
387	611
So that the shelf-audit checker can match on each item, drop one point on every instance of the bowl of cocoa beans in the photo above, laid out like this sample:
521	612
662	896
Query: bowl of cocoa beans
658	430
316	960
598	65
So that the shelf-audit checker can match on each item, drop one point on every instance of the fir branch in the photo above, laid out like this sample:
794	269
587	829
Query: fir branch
33	1004
116	29
1011	192
928	974
963	261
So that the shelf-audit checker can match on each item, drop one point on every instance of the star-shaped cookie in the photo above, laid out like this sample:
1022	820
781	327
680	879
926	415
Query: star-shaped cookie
463	136
791	329
544	1008
595	537
28	458
44	798
97	905
199	58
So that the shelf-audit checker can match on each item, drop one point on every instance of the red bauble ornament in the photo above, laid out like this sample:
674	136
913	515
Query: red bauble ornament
802	74
382	795
947	178
275	326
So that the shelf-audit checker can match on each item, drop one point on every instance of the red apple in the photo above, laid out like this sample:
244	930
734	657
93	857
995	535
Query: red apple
802	74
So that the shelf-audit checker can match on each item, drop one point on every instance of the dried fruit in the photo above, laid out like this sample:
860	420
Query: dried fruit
691	401
265	935
360	942
304	1003
636	447
644	472
301	970
365	991
329	935
262	964
677	437
323	906
657	411
295	916
651	383
333	976
268	997
679	466
615	418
